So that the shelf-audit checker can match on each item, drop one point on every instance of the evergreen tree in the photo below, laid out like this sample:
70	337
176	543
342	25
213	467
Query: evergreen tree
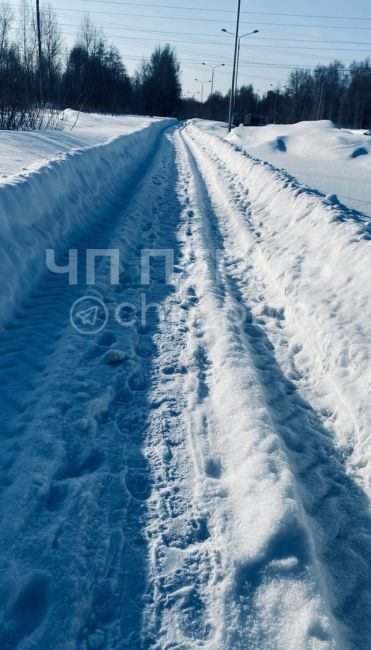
159	83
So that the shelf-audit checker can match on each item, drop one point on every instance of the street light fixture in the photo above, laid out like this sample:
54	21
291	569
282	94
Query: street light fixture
213	67
202	87
256	31
236	64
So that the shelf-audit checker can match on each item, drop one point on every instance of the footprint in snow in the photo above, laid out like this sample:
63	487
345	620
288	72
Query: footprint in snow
114	357
27	611
213	468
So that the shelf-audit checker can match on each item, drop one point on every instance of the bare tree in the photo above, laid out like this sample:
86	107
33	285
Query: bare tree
88	35
52	49
27	44
6	20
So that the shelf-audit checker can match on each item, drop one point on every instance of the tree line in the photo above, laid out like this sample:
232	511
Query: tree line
331	92
90	77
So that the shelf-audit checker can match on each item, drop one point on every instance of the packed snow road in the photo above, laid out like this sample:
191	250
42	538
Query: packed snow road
183	458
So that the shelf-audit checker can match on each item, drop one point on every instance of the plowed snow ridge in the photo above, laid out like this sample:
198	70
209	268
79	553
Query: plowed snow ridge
195	475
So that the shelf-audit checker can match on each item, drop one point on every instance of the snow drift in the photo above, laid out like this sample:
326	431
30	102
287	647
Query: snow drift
40	209
317	153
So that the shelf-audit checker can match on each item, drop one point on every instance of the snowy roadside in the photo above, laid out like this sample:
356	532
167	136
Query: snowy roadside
295	261
315	253
318	154
42	207
191	471
23	152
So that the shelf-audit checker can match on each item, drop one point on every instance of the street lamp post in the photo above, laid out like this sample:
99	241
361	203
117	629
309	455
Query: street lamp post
190	113
202	87
319	108
213	68
232	103
231	99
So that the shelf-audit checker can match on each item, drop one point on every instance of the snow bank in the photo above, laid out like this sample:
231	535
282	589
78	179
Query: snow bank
318	153
42	208
22	151
316	252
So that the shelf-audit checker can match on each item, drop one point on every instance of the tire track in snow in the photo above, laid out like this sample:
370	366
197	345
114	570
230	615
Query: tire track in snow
337	338
270	564
185	544
335	507
253	235
45	311
183	495
81	480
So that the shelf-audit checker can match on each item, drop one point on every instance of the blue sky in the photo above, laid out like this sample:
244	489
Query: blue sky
194	28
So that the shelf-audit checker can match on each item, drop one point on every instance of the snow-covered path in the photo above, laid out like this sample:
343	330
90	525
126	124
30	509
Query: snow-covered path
193	476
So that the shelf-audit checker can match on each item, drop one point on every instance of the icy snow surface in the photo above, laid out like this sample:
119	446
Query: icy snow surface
196	473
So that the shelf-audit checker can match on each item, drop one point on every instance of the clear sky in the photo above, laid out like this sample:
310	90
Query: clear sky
292	33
